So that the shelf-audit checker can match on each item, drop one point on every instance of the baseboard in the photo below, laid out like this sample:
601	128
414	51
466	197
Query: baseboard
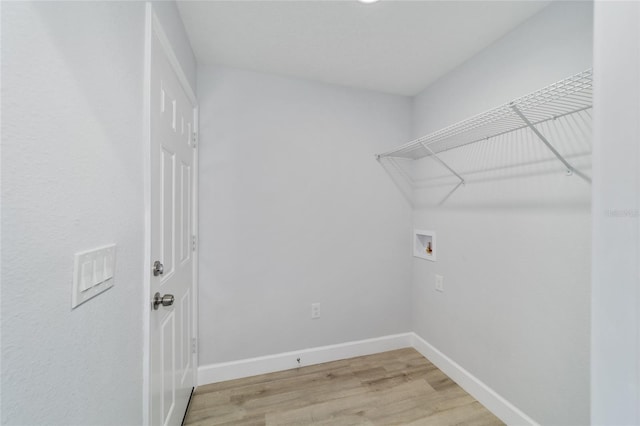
220	372
495	403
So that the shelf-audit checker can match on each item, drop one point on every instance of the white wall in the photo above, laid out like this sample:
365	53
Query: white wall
169	16
294	209
615	364
513	245
72	179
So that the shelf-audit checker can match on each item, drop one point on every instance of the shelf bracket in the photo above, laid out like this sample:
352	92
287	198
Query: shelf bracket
570	168
439	160
450	193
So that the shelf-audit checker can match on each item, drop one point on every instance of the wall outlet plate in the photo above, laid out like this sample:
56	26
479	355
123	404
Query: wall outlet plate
315	310
439	283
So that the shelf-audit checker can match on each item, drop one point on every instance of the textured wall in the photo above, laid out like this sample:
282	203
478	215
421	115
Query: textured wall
72	180
294	209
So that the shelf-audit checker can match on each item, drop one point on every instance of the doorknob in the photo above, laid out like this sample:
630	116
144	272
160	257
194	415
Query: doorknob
166	300
158	268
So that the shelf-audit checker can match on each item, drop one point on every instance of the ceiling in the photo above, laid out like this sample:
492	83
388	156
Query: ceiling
391	46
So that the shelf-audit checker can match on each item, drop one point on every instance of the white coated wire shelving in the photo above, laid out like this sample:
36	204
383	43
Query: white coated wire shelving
568	96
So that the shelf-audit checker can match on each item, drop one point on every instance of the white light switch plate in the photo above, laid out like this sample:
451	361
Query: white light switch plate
93	272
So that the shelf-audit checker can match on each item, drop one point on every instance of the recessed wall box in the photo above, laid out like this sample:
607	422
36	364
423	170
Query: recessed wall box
424	244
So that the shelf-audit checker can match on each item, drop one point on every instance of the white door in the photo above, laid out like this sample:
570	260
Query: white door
172	179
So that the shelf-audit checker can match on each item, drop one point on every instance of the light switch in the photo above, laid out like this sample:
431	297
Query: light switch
93	273
86	275
98	270
109	262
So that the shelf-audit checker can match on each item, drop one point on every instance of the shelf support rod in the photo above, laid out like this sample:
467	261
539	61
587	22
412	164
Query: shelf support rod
568	165
450	193
435	157
439	160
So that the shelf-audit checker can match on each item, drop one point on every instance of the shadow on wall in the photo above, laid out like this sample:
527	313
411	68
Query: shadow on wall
521	170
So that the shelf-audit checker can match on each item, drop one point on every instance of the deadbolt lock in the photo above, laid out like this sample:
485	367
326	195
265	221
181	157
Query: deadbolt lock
158	268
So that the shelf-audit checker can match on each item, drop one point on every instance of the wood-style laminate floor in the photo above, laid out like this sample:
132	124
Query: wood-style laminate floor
392	388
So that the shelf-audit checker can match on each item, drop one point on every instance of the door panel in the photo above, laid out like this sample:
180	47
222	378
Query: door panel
172	160
185	213
167	337
185	324
167	223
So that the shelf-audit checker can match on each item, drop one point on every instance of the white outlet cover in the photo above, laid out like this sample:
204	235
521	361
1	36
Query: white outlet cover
439	283
93	273
315	310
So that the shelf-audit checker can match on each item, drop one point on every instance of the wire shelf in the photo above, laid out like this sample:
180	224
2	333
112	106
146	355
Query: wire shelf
557	100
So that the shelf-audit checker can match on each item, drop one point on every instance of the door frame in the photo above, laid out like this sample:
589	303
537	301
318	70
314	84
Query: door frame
154	30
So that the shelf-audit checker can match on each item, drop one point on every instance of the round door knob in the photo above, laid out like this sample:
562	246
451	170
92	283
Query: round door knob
166	300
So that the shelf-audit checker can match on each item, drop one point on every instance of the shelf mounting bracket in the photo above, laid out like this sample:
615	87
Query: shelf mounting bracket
570	169
439	160
450	193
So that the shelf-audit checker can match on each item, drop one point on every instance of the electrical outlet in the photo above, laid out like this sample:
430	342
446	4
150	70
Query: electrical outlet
315	310
439	283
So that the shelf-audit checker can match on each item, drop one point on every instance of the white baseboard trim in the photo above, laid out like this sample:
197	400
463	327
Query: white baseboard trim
495	403
220	372
503	409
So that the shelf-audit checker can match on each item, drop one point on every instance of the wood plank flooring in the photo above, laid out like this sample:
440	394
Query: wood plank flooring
392	388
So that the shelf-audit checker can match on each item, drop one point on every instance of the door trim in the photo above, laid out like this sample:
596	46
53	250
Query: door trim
153	27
